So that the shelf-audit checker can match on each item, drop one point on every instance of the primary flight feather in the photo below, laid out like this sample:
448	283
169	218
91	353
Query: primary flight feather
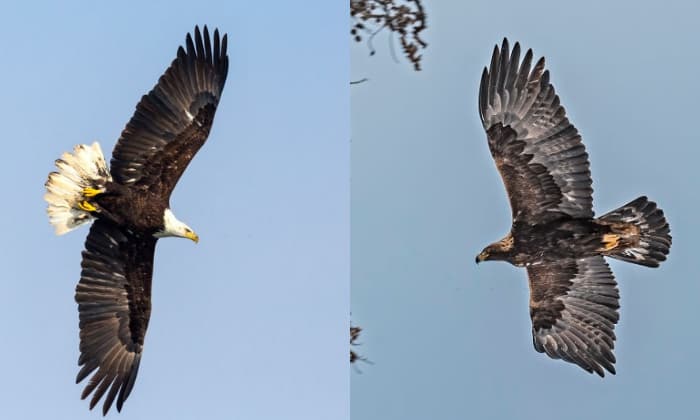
129	204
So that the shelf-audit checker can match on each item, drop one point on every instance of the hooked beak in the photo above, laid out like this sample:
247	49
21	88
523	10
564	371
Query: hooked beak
482	257
192	236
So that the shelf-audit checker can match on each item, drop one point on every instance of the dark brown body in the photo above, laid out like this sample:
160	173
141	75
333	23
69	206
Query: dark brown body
563	238
135	207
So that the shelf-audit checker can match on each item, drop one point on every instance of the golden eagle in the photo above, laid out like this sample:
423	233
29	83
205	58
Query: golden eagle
554	235
130	208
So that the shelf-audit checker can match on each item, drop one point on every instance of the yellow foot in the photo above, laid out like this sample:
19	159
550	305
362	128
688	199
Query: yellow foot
85	206
610	241
91	192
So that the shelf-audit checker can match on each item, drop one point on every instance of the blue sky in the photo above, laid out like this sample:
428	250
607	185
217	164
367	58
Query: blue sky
450	340
251	323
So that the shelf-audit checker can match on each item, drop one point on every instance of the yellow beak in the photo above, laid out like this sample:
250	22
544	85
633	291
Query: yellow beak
192	236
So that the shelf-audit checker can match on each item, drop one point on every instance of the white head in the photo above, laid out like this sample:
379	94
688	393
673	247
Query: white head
174	227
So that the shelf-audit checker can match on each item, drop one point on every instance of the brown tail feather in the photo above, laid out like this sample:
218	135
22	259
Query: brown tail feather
648	244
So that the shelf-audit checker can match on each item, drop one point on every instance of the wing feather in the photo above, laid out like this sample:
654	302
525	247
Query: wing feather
538	152
574	308
173	120
114	303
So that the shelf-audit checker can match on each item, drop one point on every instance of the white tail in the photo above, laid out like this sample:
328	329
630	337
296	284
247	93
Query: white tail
84	168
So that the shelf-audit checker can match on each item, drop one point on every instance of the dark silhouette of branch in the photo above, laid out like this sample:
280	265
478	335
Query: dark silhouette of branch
354	336
403	17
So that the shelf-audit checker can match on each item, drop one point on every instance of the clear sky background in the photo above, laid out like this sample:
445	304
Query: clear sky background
450	340
251	323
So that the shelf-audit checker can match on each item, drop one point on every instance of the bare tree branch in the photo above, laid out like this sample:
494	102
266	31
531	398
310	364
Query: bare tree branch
357	82
403	17
354	336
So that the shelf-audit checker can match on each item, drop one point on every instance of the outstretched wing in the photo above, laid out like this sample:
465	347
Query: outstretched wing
173	121
537	150
114	302
573	307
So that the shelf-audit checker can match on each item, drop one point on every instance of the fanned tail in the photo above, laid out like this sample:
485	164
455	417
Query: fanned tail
643	230
78	172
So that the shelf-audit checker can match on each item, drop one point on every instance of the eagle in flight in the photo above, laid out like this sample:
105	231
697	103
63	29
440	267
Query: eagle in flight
129	204
574	299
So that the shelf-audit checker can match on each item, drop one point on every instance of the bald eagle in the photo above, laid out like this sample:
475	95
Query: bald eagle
129	204
554	234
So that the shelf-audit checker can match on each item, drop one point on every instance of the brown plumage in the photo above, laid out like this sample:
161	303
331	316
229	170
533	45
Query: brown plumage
545	169
130	206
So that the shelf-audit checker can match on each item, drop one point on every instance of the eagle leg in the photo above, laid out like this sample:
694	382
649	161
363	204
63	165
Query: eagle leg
86	206
89	192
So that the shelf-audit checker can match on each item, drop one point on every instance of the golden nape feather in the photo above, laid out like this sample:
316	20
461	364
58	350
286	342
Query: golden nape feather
83	169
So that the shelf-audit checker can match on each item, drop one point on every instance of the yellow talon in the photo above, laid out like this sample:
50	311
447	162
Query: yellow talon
85	206
91	192
610	241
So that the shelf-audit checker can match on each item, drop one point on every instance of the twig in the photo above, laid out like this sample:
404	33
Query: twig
357	82
406	18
